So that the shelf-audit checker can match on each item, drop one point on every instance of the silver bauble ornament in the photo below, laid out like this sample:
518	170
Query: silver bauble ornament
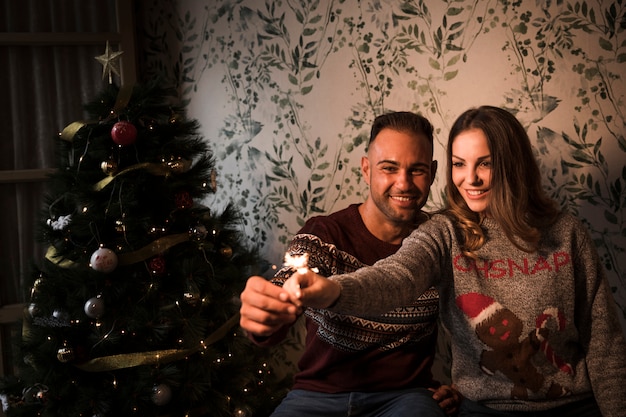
94	307
161	394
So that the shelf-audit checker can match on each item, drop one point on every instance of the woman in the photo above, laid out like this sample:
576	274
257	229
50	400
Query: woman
524	296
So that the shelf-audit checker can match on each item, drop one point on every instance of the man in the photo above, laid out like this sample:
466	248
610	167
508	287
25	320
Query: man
366	366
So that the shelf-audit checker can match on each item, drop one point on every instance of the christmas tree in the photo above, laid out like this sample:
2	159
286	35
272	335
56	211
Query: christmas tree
133	309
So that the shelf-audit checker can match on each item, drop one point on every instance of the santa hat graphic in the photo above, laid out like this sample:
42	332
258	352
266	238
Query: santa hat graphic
477	307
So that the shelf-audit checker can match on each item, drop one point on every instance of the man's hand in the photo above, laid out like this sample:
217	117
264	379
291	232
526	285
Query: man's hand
265	307
449	399
306	288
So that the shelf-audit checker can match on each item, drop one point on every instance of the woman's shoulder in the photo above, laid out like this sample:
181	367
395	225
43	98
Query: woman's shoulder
440	222
442	217
566	220
569	227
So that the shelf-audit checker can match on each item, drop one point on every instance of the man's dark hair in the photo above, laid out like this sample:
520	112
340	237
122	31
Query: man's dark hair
402	121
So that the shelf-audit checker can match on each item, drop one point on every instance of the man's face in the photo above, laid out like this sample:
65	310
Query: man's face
399	171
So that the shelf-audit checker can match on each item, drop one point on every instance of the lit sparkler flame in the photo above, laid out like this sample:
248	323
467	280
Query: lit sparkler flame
299	262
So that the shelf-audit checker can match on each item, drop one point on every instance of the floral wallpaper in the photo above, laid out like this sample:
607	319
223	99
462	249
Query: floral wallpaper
286	92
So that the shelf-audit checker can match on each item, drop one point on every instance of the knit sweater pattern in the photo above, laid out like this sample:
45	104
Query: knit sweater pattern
392	349
529	331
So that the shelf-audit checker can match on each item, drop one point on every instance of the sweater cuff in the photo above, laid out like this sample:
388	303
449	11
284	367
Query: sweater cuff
345	303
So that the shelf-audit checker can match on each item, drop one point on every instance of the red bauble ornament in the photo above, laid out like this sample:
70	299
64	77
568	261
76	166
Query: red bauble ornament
183	200
124	133
157	265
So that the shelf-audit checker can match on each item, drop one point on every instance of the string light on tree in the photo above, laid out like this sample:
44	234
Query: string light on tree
134	299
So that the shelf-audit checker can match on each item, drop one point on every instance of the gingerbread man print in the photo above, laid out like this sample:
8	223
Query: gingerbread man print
501	330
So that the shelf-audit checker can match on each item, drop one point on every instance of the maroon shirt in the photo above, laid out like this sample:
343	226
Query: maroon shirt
347	353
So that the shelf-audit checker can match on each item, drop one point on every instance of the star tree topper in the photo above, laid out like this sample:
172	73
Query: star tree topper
110	63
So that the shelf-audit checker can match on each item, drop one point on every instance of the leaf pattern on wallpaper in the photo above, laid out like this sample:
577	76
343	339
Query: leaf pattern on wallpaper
403	51
274	57
302	175
591	182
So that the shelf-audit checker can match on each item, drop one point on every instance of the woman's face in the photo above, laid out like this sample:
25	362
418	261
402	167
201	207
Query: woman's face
471	169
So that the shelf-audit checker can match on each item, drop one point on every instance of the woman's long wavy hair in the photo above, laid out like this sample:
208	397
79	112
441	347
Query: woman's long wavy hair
518	202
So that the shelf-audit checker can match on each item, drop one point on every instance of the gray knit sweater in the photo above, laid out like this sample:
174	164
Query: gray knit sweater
530	331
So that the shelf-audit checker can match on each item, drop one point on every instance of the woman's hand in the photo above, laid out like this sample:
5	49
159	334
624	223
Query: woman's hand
306	288
448	398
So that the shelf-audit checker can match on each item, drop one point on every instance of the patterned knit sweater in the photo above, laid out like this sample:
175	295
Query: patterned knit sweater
530	331
368	352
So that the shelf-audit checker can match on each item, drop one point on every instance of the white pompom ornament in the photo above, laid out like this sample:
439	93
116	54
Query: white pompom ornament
103	260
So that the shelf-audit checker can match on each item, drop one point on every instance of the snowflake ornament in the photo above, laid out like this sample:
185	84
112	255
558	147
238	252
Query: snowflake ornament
60	223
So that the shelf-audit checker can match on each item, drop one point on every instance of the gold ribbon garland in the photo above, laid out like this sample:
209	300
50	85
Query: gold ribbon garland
158	246
130	360
114	362
151	167
123	98
70	130
52	256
